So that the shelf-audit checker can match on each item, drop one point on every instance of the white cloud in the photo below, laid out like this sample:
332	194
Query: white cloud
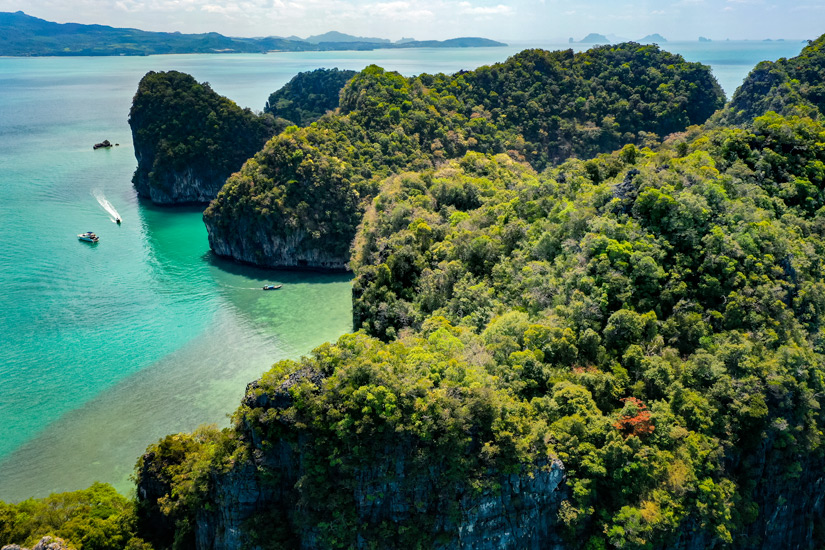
399	11
224	10
466	8
506	20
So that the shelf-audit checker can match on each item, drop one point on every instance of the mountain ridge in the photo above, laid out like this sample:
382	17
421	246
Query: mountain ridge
24	35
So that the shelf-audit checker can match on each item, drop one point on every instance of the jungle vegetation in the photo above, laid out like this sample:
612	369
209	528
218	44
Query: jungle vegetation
538	106
649	313
793	86
97	518
181	125
308	96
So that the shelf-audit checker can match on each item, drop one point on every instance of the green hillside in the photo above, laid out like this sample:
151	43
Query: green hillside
308	186
786	86
582	321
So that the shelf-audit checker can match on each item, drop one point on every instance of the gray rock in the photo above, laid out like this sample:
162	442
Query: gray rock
46	543
250	243
186	186
521	514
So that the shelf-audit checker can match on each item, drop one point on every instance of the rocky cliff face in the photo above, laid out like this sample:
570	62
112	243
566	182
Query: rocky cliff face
786	511
174	187
260	494
259	498
788	492
287	207
255	245
521	515
46	543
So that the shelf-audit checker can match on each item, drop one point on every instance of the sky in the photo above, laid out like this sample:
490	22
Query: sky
511	21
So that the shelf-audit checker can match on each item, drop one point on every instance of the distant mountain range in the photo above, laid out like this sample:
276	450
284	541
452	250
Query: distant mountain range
335	36
24	35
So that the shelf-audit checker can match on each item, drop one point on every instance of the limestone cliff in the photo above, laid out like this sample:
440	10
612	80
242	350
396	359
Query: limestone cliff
292	480
784	506
256	245
188	139
787	499
262	499
521	514
187	186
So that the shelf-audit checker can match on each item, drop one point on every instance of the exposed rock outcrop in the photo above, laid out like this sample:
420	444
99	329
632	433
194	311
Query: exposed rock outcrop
171	187
261	494
304	212
46	543
260	247
788	500
522	513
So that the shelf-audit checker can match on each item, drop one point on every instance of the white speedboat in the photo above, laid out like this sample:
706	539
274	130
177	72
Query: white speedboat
88	237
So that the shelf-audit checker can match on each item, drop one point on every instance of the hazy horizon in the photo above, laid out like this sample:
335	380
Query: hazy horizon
520	21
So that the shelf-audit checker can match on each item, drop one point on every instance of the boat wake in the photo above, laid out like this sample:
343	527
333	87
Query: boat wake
106	205
242	287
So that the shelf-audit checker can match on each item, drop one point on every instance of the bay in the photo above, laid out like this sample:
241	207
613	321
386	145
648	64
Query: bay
105	348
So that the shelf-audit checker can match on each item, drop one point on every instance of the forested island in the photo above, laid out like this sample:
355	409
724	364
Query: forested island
299	201
589	314
188	139
24	35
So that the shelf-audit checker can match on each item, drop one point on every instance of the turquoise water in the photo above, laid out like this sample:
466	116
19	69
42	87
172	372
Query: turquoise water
105	348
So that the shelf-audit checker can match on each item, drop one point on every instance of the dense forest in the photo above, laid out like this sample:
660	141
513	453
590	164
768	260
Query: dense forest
538	106
787	86
308	96
646	317
675	296
187	136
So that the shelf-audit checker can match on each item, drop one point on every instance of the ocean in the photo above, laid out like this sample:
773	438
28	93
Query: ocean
105	348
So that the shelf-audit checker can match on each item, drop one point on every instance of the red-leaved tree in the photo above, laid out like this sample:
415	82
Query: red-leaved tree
634	418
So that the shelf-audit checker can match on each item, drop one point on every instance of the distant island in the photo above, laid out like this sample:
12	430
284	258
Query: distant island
335	36
704	39
653	38
594	38
24	35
